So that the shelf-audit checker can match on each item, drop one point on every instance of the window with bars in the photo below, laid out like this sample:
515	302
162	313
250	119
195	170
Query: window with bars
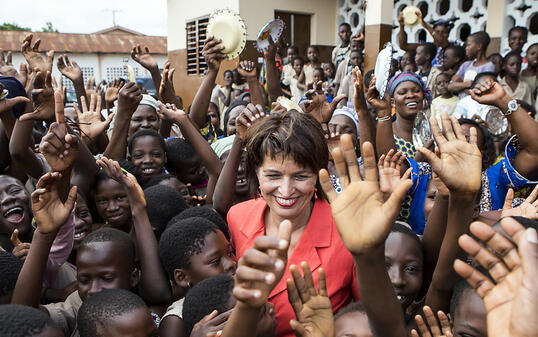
115	72
87	73
196	36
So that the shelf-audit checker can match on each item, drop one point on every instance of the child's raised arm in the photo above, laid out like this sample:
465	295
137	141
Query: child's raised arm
129	98
168	95
154	286
247	69
50	214
72	71
459	167
213	57
144	58
366	123
363	201
273	79
225	188
200	145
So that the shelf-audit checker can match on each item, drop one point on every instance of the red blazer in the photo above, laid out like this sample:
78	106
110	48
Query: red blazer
320	245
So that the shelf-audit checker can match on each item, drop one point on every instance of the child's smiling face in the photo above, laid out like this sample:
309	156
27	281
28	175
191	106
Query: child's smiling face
112	203
148	156
14	206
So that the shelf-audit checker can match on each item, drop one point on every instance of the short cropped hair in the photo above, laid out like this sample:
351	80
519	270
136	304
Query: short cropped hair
163	203
512	54
211	294
351	307
207	212
120	238
178	151
98	310
292	134
520	28
142	133
21	321
181	240
430	49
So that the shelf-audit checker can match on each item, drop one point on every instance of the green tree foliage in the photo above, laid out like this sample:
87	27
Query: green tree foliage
13	26
49	28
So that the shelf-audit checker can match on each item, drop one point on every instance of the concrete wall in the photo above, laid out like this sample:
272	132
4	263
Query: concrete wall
257	13
180	11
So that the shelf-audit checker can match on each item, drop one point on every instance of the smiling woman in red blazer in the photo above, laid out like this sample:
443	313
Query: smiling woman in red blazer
284	155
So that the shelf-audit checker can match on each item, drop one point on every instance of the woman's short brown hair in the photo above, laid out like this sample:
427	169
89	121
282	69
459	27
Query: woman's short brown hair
292	134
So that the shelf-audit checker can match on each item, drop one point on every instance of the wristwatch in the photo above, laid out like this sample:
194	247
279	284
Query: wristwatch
512	107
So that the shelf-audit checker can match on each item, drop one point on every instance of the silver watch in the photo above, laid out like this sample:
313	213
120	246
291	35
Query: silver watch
512	107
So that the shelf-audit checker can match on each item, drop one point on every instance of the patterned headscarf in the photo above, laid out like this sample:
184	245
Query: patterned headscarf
396	80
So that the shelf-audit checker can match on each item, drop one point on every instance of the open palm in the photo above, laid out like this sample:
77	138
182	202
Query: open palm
361	200
49	211
34	58
459	157
511	301
312	308
318	106
90	121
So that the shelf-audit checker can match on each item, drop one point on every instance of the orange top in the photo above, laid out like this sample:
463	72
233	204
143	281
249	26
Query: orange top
320	245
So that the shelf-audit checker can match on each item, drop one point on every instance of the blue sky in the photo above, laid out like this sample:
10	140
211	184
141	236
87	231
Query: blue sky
78	16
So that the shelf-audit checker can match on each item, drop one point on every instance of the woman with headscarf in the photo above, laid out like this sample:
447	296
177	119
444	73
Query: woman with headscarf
408	97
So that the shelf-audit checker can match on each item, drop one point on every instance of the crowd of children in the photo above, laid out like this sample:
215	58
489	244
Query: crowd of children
289	201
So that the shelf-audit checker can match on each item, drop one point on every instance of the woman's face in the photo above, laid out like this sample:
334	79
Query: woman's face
408	98
148	157
286	186
14	206
112	203
83	221
440	35
145	117
404	259
234	113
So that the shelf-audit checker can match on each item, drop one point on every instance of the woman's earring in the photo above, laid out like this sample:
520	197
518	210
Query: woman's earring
189	285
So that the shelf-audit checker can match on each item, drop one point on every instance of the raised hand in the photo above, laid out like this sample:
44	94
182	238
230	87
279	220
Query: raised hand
167	92
459	157
511	299
7	104
20	249
312	307
59	148
316	104
358	85
372	96
247	69
170	112
434	330
211	325
144	58
262	267
490	93
112	92
389	172
528	209
90	122
90	87
113	170
59	87
43	98
69	69
34	58
247	117
129	97
49	211
212	53
361	199
6	66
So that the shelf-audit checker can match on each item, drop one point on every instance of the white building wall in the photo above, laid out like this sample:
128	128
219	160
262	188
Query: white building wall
96	65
